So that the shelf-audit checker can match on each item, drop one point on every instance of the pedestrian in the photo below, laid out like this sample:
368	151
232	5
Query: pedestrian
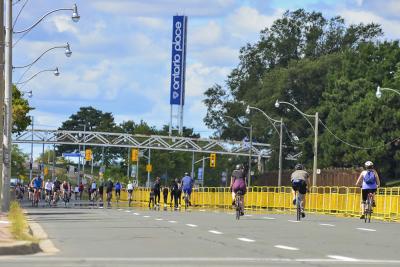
101	190
165	195
81	187
157	191
179	192
76	191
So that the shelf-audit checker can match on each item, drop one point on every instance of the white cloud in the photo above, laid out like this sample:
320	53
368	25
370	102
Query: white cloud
208	34
247	21
63	23
390	27
217	55
93	74
152	22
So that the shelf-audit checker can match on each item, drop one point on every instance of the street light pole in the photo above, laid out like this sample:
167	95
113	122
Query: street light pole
250	150
31	160
314	127
6	174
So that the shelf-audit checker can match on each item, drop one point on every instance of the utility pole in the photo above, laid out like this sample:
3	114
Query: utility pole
250	151
6	171
31	160
315	149
1	92
129	160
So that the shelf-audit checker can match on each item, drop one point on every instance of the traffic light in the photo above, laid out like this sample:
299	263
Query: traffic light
134	154
213	160
88	154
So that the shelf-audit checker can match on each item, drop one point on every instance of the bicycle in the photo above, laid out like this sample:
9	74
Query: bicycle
298	206
368	208
93	196
35	199
239	204
109	196
65	198
48	198
186	198
129	198
117	197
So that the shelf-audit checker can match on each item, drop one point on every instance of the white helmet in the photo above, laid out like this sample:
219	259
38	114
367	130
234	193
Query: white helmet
368	164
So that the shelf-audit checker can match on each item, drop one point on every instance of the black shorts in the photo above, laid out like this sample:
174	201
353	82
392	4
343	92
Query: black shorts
365	193
130	191
299	185
118	191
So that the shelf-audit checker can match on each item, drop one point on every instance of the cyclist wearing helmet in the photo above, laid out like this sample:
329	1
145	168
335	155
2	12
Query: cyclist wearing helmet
238	182
187	185
370	182
300	180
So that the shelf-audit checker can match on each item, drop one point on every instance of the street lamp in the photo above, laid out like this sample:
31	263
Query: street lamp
280	133
251	144
29	93
67	53
380	89
55	71
8	44
315	128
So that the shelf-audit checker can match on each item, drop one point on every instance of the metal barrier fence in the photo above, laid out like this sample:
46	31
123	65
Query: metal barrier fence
343	201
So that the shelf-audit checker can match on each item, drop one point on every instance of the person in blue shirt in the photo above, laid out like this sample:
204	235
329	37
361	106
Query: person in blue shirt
187	185
37	184
118	189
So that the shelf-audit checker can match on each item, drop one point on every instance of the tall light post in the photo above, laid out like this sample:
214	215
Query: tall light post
55	71
315	128
250	129
380	89
280	133
8	44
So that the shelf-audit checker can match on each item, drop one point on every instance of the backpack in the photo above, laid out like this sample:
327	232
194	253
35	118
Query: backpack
369	177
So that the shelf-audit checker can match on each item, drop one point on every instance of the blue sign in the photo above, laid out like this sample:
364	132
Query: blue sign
71	154
200	174
178	64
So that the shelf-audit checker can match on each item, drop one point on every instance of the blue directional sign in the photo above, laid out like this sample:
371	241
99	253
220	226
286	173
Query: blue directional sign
71	155
178	64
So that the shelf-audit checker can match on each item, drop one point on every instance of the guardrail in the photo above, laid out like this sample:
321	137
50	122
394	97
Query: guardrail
343	201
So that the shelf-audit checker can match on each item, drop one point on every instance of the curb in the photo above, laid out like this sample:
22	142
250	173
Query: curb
19	248
45	245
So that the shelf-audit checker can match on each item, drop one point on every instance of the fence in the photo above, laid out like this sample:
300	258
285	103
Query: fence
343	201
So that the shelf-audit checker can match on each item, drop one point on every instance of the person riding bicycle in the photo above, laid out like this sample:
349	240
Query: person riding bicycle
300	179
56	190
109	187
48	187
65	189
238	182
118	189
37	184
370	183
187	185
129	188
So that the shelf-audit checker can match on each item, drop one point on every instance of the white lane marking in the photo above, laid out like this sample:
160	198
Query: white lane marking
202	210
269	218
216	260
127	211
120	209
244	239
215	232
101	207
135	213
172	221
191	225
327	224
293	221
146	216
341	258
366	229
286	247
231	213
159	219
248	215
4	222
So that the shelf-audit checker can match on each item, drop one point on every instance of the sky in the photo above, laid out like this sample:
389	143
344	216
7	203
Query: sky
122	51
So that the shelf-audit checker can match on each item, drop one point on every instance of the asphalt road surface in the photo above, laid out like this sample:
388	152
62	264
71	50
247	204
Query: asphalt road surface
140	237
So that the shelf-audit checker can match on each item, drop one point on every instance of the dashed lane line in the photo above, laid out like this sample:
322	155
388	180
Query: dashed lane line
342	258
159	219
286	247
366	229
146	216
191	225
269	218
293	221
244	239
327	224
172	221
135	213
215	232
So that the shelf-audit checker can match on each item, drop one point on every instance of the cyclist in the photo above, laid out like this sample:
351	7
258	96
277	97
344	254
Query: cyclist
37	184
109	187
65	189
101	190
187	185
238	182
48	187
93	189
157	191
300	179
118	189
370	182
129	187
56	190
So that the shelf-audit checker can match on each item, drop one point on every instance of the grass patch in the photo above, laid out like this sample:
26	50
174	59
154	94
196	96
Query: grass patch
19	224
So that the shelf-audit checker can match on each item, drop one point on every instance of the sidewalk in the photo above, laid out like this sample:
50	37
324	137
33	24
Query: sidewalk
10	246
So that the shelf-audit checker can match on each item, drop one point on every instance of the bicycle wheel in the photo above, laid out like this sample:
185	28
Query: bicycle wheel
298	207
238	205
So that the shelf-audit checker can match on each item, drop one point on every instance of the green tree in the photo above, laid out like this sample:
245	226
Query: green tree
18	160
20	110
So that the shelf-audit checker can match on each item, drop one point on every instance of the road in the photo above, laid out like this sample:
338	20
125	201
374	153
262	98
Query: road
127	236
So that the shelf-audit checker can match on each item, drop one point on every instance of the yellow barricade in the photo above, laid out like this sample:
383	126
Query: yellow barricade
343	201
